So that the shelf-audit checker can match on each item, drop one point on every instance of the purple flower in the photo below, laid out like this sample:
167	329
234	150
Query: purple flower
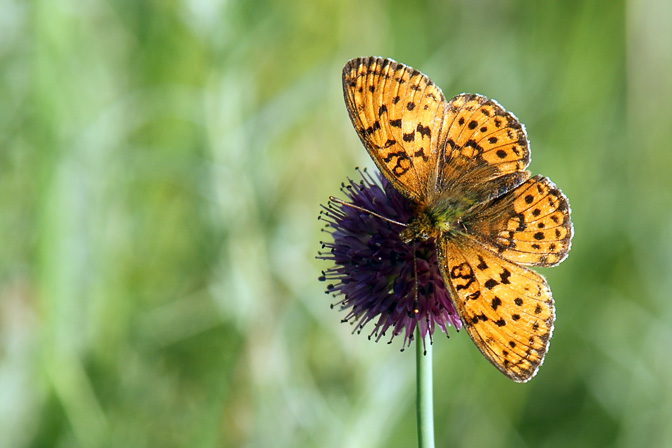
375	272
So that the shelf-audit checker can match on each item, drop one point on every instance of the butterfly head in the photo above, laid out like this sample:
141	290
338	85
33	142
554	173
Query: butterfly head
419	228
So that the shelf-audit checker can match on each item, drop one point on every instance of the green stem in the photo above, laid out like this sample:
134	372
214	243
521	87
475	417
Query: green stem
424	399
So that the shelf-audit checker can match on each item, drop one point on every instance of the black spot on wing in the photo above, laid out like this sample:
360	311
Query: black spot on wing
421	153
495	303
424	131
373	128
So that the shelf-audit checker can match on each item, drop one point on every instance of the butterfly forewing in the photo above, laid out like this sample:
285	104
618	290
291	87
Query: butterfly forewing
486	147
506	308
530	225
398	113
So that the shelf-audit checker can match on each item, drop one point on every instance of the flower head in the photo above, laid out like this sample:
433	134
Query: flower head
379	277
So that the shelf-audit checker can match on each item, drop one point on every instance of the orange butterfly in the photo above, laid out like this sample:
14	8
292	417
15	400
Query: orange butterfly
461	163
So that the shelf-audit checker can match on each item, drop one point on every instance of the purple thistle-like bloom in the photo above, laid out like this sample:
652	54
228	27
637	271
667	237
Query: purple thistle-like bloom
375	272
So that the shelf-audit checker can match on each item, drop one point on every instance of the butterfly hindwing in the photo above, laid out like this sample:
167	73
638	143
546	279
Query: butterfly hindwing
529	225
398	113
507	309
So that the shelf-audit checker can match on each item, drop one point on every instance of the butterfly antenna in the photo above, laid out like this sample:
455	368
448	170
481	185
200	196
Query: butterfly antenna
361	209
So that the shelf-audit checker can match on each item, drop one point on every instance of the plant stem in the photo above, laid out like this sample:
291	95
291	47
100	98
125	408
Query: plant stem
424	399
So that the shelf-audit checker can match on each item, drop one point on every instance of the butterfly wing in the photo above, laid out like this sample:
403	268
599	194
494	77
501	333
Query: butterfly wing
398	113
485	151
530	225
507	309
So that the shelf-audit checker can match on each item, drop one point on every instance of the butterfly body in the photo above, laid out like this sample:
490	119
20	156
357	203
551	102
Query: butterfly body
441	217
461	164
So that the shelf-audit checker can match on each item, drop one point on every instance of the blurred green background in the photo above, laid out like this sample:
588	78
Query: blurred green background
161	169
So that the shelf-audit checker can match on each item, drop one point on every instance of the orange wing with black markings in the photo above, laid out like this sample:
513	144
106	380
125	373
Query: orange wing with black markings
398	113
530	225
486	149
507	309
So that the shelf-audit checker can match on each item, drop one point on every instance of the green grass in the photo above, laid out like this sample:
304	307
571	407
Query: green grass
161	170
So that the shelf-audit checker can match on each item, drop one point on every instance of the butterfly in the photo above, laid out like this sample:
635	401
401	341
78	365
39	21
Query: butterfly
461	164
